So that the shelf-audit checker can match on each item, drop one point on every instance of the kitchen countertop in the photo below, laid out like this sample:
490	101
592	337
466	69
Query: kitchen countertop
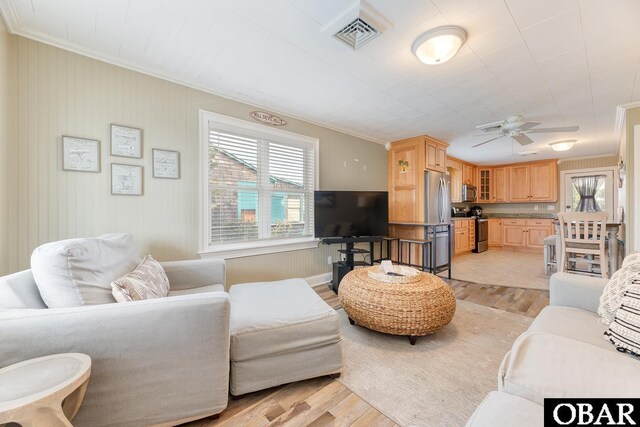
521	215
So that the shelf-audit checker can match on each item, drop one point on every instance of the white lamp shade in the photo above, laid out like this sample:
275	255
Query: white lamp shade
439	45
563	145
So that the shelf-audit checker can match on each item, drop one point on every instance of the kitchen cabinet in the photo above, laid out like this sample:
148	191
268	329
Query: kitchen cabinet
544	181
467	174
533	182
526	233
495	232
464	235
499	185
537	231
406	181
435	154
519	183
513	233
454	170
484	185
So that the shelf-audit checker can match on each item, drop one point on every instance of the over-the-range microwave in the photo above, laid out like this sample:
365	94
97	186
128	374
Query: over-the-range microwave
469	193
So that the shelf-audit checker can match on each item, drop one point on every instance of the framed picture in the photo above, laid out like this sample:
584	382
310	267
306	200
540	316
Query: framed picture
126	141
126	179
80	154
166	163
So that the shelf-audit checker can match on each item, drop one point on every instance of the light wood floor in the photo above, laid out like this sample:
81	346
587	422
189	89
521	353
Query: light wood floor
503	267
325	401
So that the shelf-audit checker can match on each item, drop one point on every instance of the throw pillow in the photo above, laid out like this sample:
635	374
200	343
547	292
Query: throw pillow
624	331
617	286
76	272
147	281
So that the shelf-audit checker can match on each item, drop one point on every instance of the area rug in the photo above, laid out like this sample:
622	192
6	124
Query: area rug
439	381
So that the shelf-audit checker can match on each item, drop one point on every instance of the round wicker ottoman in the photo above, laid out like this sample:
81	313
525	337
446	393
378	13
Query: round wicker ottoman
412	305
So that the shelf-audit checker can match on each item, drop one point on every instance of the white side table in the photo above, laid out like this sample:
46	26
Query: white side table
46	391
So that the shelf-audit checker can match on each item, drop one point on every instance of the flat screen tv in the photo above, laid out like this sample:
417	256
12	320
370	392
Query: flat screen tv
351	213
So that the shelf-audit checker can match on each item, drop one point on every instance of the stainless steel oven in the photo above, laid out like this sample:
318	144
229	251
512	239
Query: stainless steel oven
469	193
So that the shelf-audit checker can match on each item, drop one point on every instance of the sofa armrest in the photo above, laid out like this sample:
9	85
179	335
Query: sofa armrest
153	361
572	290
194	273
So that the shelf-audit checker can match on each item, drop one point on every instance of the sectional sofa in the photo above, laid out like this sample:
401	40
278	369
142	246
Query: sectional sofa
562	354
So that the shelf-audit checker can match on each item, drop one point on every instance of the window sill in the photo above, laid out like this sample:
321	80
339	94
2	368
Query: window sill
246	249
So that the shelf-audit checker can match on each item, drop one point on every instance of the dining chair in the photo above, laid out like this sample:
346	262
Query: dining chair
584	234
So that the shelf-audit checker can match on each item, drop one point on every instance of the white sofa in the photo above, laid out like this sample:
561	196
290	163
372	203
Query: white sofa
562	354
154	362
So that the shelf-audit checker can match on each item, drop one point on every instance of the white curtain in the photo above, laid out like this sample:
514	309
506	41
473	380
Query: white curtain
587	187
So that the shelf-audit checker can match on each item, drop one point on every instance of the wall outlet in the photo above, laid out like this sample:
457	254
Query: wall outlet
329	260
551	207
536	208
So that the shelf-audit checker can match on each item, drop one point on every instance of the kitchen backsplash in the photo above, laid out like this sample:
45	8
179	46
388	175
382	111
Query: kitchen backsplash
516	208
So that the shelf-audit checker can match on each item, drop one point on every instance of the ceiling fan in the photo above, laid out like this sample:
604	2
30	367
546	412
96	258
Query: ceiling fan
517	129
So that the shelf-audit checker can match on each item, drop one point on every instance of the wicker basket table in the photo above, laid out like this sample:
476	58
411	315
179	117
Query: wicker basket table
400	305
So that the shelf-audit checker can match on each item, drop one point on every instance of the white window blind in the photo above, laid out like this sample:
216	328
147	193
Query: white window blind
259	188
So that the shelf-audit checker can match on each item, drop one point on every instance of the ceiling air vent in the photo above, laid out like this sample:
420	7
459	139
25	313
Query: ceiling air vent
491	127
528	153
357	33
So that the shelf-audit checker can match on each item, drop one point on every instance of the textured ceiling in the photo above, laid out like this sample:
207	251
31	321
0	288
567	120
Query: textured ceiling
559	62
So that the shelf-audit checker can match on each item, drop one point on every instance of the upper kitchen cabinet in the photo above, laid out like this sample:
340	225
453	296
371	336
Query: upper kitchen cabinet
435	154
499	188
519	183
533	182
468	174
484	185
544	181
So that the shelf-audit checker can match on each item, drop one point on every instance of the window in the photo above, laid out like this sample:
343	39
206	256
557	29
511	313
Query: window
259	185
589	190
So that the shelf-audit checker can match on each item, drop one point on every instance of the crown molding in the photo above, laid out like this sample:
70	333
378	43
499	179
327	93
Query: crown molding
10	16
12	20
621	114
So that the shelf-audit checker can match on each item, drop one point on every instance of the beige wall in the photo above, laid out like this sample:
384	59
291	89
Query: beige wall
61	93
8	147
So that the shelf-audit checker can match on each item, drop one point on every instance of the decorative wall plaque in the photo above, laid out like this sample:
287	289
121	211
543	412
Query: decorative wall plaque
261	116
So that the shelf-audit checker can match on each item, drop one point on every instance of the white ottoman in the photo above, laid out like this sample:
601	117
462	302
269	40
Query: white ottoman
281	332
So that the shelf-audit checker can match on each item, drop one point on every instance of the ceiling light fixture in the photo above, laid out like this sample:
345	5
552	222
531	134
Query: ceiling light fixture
563	145
439	45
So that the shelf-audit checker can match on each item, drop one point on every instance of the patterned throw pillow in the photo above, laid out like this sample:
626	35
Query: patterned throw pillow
615	289
624	331
147	281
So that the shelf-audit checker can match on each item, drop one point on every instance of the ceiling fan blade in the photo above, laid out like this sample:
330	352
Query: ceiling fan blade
560	129
529	125
522	139
492	139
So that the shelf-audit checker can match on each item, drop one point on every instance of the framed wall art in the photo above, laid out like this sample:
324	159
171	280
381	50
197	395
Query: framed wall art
166	163
126	179
126	141
80	154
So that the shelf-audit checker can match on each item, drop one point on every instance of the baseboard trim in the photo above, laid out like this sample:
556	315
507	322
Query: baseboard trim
319	279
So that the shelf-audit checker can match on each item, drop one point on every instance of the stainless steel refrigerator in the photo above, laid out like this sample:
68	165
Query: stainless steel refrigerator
437	212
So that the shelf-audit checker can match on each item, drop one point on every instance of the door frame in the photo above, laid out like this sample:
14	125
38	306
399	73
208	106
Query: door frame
614	189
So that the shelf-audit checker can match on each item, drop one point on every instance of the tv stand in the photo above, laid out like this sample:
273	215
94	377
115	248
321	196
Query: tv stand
341	268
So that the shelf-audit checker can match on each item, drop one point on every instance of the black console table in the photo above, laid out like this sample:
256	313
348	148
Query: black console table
341	268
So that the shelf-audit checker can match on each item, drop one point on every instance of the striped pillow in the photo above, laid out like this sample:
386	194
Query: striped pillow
147	281
624	331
